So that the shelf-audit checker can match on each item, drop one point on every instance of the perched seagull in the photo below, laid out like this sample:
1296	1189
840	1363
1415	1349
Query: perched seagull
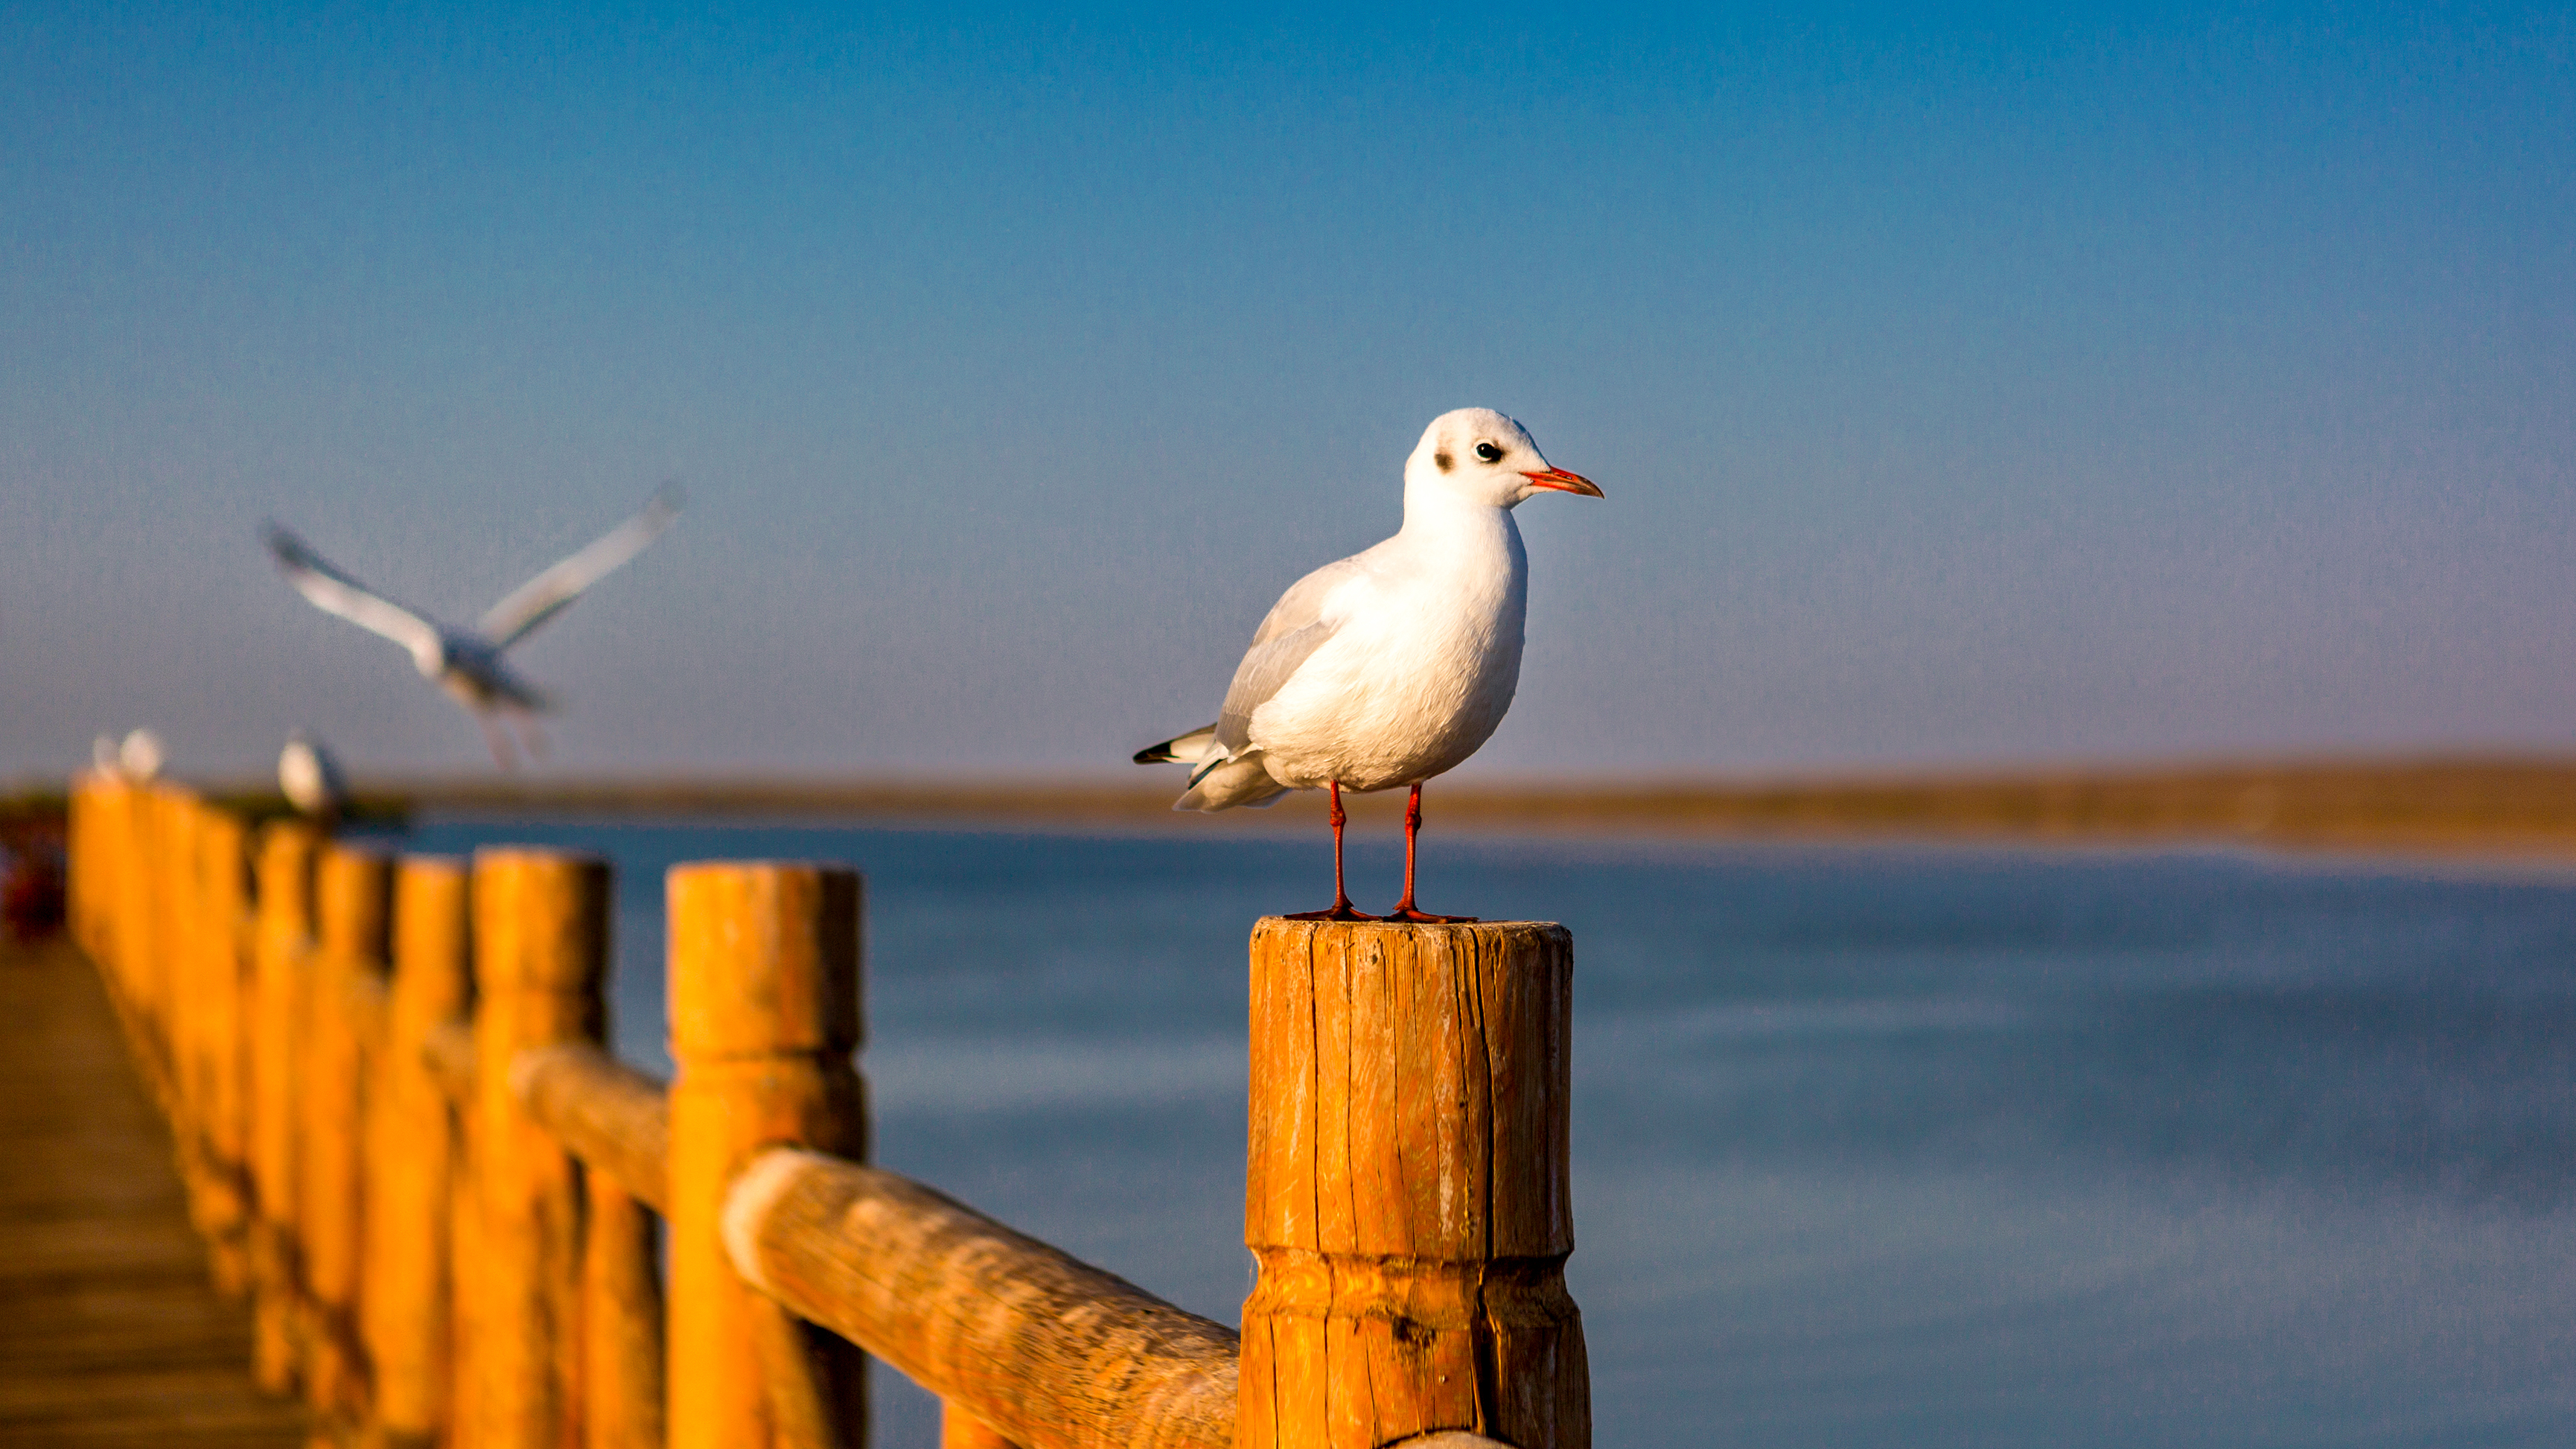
311	779
467	662
1392	665
141	757
103	760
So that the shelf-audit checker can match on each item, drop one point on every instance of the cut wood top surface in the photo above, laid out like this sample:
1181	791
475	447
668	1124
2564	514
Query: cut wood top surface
110	1331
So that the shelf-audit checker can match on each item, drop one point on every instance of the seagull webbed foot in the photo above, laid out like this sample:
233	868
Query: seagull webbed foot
1425	918
1341	911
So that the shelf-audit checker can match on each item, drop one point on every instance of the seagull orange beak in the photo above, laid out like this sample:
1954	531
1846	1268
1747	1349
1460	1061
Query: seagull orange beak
1563	482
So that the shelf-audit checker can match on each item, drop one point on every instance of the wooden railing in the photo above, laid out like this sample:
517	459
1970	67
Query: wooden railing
460	1222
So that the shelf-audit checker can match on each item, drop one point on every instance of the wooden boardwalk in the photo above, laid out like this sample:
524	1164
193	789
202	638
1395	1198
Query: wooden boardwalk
110	1331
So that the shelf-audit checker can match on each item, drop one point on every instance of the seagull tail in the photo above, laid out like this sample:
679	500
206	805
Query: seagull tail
1244	780
1186	749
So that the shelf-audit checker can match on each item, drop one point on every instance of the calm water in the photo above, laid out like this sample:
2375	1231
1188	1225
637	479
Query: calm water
1904	1148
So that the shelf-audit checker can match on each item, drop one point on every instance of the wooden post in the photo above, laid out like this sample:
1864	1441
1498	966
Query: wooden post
403	1303
621	1289
276	1019
355	908
286	851
541	960
222	1021
764	1004
138	948
178	927
1405	1188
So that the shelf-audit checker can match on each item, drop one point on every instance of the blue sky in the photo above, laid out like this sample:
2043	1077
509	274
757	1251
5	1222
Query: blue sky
1981	387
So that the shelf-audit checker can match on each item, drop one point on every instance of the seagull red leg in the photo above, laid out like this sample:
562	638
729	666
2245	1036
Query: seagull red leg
1342	909
1404	909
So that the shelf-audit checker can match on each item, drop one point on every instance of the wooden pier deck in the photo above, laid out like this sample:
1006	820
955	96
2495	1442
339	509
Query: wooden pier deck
111	1332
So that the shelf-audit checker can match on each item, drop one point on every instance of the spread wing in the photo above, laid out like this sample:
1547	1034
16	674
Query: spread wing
545	596
1296	627
334	592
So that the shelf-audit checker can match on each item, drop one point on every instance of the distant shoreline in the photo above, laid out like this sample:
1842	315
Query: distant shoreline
2472	806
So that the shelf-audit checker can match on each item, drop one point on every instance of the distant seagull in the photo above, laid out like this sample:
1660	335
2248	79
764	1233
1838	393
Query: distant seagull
1392	665
311	779
467	662
103	759
141	757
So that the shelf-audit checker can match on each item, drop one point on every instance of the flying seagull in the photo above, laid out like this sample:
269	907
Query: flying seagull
1392	665
467	663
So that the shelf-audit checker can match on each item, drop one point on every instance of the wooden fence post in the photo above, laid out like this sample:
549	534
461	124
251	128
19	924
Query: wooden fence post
354	891
403	1304
222	1022
1405	1188
541	961
138	950
621	1288
286	851
764	1007
178	929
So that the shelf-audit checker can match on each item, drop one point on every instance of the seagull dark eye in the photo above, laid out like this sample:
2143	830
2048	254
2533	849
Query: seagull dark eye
1489	452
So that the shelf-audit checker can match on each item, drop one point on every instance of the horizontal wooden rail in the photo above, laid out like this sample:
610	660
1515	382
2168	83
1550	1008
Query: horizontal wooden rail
1045	1348
446	1220
614	1118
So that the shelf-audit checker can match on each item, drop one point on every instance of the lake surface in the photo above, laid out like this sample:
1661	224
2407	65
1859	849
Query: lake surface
1871	1147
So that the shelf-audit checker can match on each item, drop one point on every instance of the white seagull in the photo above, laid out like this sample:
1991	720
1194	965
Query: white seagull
467	662
310	779
141	757
1392	665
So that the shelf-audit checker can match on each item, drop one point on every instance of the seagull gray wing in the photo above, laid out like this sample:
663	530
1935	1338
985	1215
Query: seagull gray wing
545	596
1297	626
334	592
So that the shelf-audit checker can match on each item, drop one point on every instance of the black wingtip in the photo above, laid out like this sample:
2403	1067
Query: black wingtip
1156	754
283	546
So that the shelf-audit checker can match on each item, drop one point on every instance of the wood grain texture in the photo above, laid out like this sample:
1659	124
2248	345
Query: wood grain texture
614	1118
411	1152
1405	1187
1048	1350
541	958
110	1334
764	1006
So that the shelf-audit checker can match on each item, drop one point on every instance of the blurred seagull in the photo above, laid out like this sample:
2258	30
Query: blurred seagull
141	757
467	662
1392	665
311	779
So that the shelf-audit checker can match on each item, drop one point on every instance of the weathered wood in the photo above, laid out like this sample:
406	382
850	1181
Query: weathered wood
621	1321
1048	1350
764	1006
283	948
110	1335
1405	1187
614	1118
354	909
403	1307
541	958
